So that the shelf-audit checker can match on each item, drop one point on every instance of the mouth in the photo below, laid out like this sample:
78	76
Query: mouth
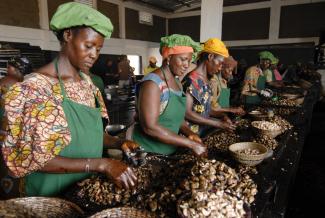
88	64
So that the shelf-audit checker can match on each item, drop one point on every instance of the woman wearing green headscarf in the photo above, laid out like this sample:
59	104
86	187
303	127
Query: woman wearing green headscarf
161	102
256	78
55	131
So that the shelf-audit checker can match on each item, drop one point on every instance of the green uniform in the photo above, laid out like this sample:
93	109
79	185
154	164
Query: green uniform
172	119
260	86
85	125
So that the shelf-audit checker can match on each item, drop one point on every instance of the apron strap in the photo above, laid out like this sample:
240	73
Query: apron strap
63	92
177	82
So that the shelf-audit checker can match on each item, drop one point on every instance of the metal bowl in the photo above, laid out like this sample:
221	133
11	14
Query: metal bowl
114	129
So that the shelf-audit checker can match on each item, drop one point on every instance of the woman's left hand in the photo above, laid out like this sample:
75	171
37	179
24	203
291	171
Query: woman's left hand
129	146
195	137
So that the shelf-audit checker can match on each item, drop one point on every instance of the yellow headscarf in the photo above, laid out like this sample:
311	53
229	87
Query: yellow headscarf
215	46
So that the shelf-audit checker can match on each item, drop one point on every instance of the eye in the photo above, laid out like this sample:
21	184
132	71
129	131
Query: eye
88	46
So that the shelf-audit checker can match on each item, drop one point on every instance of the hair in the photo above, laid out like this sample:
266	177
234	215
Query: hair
75	30
23	64
204	56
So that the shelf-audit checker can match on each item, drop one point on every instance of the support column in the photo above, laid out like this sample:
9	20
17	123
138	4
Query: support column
43	15
211	19
275	20
121	14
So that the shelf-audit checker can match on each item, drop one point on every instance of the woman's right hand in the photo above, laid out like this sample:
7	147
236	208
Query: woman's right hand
225	125
121	174
199	149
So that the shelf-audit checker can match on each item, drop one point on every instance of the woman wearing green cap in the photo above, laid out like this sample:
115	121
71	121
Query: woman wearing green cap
55	131
161	103
256	78
198	91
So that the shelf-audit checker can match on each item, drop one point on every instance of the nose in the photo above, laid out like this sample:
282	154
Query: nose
94	53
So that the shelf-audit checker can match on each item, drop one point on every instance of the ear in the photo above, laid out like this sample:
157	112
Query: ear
67	35
210	57
168	59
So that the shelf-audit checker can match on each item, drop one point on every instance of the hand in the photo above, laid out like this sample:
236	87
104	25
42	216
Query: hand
238	111
227	120
195	137
266	93
199	150
226	126
129	146
120	173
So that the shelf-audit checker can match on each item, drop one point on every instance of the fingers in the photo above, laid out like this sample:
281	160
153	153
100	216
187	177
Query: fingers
128	179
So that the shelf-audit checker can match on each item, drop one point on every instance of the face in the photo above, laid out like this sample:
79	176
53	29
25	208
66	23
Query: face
152	64
214	64
265	64
227	72
83	47
179	63
11	70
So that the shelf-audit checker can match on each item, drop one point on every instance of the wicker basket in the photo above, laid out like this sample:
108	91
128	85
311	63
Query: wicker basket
271	133
123	212
51	207
248	159
257	115
10	209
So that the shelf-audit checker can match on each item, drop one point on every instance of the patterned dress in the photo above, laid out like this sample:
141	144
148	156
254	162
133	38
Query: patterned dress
37	129
251	77
201	93
217	83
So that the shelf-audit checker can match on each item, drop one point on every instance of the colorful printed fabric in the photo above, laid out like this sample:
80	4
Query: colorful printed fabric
216	84
201	93
37	128
164	93
251	77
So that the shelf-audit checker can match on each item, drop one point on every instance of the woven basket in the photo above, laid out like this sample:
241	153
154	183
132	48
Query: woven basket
248	159
257	115
10	209
48	207
123	212
271	133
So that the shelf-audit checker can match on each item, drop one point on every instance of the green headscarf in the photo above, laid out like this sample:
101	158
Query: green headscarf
74	14
180	40
266	55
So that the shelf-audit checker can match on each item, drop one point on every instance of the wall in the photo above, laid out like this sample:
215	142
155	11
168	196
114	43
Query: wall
35	30
258	22
19	13
144	32
111	11
185	25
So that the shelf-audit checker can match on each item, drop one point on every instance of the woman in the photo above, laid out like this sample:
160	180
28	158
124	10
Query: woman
198	91
221	92
16	69
256	78
161	102
55	131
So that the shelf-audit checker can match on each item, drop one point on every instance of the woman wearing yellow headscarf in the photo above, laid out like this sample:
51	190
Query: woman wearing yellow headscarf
198	90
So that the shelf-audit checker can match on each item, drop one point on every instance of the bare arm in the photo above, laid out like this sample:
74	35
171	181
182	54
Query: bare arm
149	98
200	120
195	117
119	172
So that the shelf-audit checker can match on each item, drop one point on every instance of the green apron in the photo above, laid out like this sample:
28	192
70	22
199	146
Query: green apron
224	97
260	86
172	119
86	128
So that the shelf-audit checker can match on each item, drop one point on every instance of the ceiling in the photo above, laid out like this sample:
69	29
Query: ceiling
174	5
168	5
